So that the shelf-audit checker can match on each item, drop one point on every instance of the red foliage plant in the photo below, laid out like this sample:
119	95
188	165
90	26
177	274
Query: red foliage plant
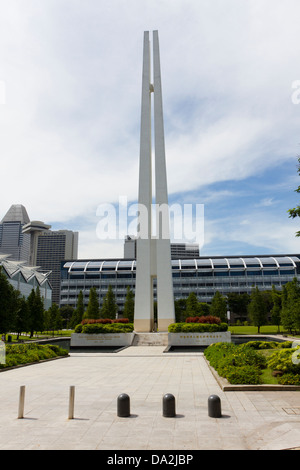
104	320
204	319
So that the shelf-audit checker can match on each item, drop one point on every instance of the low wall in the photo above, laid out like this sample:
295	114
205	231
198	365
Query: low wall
198	339
108	339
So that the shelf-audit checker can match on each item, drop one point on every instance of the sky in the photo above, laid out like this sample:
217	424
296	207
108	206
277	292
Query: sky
70	104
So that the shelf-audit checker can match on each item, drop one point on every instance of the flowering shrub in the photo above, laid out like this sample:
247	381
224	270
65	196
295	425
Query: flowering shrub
204	319
104	320
197	327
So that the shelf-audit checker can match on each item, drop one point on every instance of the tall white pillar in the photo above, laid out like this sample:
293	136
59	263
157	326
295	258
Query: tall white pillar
153	252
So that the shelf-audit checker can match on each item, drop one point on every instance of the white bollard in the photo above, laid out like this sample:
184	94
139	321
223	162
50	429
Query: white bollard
21	402
71	401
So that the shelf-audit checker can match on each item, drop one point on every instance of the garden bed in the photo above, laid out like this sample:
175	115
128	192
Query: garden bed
17	355
248	366
194	332
102	333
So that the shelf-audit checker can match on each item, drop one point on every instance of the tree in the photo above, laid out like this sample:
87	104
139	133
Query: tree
109	307
78	312
129	305
257	309
92	311
22	316
295	212
36	311
8	304
290	313
191	305
238	305
53	314
180	310
276	308
203	309
218	306
66	313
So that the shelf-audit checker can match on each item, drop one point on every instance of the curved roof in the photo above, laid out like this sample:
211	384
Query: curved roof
203	263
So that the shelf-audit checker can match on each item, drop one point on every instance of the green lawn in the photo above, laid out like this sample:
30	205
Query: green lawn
252	330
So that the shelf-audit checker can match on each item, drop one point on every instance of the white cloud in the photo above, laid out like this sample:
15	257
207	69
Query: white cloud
72	72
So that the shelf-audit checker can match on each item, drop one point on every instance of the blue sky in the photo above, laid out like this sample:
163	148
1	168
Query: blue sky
70	119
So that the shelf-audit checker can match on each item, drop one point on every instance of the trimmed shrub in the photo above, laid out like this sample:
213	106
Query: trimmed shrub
289	379
17	354
243	375
204	319
197	327
100	328
78	328
104	320
283	360
237	363
269	344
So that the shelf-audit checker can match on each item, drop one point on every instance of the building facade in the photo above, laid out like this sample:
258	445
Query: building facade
53	247
178	250
13	241
24	279
204	276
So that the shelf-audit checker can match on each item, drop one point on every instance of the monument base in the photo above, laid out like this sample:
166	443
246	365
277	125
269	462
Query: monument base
198	339
101	340
143	326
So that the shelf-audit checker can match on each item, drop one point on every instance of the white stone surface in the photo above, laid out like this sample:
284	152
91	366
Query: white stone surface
153	254
250	420
198	339
108	339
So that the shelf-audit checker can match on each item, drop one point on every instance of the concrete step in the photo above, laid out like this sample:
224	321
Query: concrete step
150	339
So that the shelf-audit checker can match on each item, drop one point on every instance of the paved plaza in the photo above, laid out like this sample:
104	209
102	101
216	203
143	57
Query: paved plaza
251	420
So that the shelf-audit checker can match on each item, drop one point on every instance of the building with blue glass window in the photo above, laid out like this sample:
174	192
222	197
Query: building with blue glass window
204	276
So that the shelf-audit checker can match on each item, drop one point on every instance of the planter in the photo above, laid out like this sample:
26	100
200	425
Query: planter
101	340
198	339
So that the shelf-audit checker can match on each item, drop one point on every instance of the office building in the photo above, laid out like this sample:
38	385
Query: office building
13	241
178	250
51	248
204	276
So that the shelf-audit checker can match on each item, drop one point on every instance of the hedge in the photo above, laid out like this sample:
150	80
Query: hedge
242	364
269	344
239	364
104	320
104	328
204	319
197	327
17	354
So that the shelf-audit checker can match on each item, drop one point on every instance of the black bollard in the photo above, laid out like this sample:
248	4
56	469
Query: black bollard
214	406
169	406
123	405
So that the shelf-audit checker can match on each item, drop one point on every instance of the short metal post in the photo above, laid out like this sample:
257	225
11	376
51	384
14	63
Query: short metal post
214	406
21	402
71	401
123	405
169	406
